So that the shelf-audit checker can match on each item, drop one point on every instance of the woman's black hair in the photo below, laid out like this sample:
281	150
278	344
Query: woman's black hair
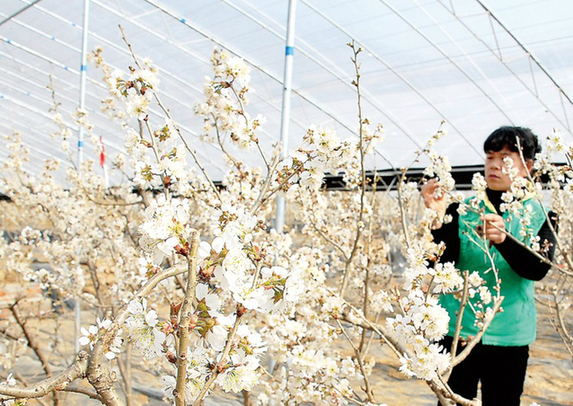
507	137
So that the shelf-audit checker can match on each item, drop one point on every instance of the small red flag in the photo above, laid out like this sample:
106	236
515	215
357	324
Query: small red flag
102	153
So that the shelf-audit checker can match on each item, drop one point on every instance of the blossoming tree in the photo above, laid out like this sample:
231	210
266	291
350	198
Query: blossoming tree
189	276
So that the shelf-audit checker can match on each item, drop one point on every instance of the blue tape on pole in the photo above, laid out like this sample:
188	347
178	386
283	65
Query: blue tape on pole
80	144
289	50
66	68
53	38
9	41
73	24
84	68
29	93
183	20
1	96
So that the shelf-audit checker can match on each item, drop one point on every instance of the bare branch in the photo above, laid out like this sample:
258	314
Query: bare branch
222	358
487	321
359	221
168	114
84	391
358	358
185	319
31	341
76	371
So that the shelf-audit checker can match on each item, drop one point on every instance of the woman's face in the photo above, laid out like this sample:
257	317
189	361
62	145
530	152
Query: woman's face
494	165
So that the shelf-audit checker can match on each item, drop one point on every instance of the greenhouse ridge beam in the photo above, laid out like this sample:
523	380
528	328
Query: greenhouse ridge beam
389	179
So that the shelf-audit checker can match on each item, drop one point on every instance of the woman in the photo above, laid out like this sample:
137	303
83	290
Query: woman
499	361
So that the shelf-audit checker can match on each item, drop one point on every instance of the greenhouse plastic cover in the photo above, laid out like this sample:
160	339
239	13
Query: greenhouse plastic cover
474	64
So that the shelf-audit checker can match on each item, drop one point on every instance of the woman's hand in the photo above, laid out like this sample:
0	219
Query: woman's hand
494	228
434	202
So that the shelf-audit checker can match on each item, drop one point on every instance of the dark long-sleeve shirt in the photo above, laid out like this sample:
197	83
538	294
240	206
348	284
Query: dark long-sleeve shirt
521	260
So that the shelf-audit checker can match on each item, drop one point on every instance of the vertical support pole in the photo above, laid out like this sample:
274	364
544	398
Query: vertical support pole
285	115
83	80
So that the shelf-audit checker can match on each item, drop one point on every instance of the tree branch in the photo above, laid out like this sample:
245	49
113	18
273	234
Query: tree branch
75	371
186	311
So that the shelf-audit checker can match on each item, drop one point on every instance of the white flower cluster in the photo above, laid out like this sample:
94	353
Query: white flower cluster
226	95
446	278
197	368
211	324
143	329
314	377
559	176
519	189
440	168
168	166
231	260
165	229
322	152
424	322
382	301
94	332
241	371
136	89
134	92
479	185
482	297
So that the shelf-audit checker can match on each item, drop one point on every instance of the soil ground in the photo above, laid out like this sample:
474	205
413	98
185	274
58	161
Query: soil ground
549	379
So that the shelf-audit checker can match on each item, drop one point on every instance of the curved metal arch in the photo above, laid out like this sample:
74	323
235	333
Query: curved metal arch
529	55
258	67
179	47
42	138
400	76
465	54
443	53
70	125
47	116
60	80
333	67
73	48
94	82
26	7
527	51
38	144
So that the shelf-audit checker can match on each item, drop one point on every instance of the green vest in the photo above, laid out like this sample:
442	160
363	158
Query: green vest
517	324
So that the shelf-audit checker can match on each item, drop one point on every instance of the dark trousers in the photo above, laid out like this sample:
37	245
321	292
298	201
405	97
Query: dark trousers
501	371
